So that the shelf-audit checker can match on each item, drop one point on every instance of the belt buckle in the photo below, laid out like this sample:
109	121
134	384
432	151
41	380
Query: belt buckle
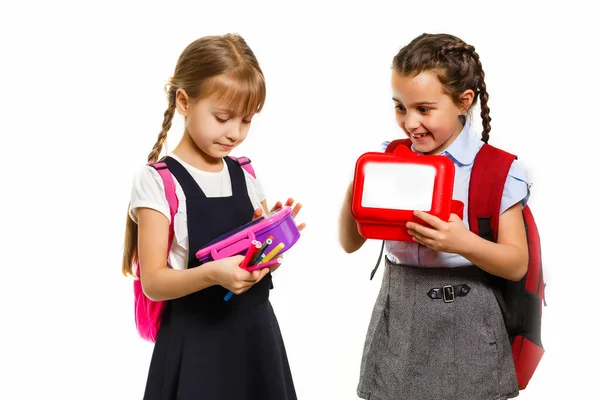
448	293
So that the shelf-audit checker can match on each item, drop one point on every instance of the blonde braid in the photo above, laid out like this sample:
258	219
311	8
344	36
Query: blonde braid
168	119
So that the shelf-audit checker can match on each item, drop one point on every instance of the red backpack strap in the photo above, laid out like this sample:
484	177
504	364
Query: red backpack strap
488	176
245	163
398	142
520	302
170	194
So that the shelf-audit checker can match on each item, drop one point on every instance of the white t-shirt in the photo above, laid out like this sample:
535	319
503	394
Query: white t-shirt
148	191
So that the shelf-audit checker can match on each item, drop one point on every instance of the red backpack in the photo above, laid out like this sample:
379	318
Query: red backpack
521	302
148	313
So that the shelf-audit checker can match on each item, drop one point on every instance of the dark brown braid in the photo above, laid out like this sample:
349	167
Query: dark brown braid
484	97
455	62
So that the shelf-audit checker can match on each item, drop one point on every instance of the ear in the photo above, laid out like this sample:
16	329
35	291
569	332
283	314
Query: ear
182	102
466	99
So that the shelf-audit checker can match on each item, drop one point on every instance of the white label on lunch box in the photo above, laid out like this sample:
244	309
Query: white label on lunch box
398	186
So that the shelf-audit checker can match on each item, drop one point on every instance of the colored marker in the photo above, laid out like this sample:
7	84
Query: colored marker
228	296
258	255
272	253
266	265
252	250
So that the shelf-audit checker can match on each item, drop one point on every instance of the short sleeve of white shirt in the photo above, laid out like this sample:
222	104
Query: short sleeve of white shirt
148	192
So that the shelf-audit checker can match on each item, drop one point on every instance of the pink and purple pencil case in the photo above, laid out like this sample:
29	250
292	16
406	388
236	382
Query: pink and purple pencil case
280	224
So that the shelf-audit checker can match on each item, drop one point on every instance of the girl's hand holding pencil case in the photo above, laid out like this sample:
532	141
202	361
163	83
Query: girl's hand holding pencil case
278	224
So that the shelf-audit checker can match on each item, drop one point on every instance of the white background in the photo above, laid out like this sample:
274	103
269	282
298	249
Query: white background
81	105
385	186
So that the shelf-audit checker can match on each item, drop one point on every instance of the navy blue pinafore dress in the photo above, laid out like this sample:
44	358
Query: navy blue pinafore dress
209	349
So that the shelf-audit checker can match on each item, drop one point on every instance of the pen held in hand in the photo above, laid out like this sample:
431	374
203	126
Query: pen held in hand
267	264
258	255
250	253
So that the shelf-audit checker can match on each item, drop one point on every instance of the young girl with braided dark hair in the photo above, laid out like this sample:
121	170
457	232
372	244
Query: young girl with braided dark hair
419	347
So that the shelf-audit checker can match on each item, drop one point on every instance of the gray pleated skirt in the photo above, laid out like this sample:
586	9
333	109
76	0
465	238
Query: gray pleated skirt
422	348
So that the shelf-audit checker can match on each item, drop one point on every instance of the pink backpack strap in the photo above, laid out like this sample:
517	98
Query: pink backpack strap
169	183
170	194
245	163
148	313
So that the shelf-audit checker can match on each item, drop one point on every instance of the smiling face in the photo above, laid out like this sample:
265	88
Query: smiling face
428	116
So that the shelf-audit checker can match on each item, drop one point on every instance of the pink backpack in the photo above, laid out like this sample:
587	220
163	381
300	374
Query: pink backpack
148	313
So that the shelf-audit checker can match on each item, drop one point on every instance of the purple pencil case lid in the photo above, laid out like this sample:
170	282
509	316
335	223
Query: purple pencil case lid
279	224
